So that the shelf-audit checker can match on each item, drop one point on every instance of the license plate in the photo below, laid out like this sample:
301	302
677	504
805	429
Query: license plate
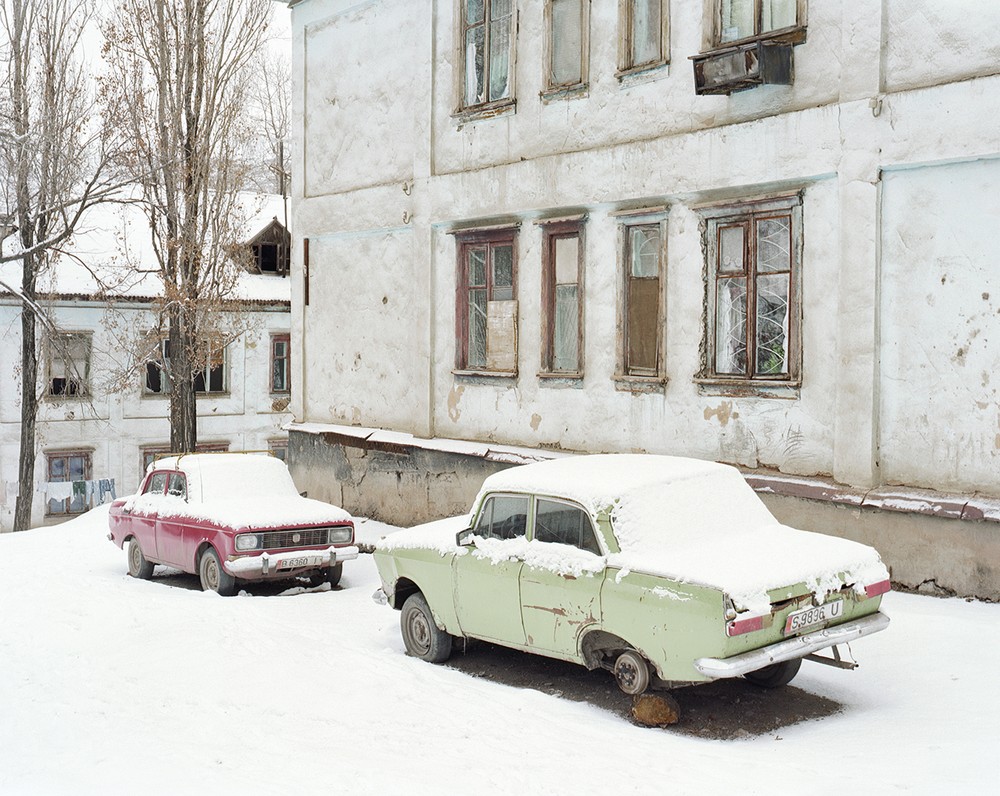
302	561
816	615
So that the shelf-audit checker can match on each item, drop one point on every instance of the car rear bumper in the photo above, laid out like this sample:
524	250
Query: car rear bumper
789	649
275	565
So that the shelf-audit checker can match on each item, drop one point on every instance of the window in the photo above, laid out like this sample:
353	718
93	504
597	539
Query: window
72	469
280	363
753	329
486	305
278	448
744	19
69	365
177	485
487	46
643	299
211	379
151	453
156	485
562	299
567	23
503	517
644	37
563	523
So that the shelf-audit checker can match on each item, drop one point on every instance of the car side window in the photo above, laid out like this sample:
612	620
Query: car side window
563	523
503	517
156	484
177	485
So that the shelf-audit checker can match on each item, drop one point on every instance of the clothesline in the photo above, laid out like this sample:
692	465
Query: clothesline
92	492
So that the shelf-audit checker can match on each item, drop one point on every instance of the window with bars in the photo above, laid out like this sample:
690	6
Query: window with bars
280	363
567	24
487	50
486	303
754	306
210	379
69	467
643	294
746	19
68	365
562	299
644	40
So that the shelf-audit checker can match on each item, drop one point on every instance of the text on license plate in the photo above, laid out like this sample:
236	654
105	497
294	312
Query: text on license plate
302	561
816	615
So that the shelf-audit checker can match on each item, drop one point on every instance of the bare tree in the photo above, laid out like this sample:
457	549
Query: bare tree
272	109
181	92
54	158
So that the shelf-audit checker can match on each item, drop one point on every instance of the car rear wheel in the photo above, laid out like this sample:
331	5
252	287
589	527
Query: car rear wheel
631	672
421	635
213	577
775	675
330	575
138	566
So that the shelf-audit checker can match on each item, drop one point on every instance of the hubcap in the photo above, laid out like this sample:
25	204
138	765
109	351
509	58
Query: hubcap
420	632
211	573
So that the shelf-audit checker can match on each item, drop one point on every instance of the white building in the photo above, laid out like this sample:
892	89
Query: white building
90	439
756	231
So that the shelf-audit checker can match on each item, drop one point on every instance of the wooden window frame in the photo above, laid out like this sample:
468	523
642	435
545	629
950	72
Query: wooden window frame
279	445
791	34
88	475
553	89
551	233
631	376
489	106
57	348
626	40
165	378
153	452
466	242
747	214
285	338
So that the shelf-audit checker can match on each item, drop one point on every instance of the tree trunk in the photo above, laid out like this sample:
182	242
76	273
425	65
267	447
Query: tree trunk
183	400
29	404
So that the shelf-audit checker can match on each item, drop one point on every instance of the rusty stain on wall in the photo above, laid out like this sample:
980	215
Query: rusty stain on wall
454	398
723	412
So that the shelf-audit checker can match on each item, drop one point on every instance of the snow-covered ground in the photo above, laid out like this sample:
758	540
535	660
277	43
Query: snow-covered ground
112	685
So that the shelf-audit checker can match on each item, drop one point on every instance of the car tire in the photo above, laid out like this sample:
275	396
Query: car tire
421	635
776	675
213	577
631	672
330	575
138	566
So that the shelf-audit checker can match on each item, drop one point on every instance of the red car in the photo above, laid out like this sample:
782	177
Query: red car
230	517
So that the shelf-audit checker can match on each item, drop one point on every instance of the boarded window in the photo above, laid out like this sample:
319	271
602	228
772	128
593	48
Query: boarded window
562	298
753	301
487	45
567	42
743	19
643	321
644	34
486	305
69	365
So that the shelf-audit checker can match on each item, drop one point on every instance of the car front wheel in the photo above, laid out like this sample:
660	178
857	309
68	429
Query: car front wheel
213	577
421	635
775	675
138	566
631	672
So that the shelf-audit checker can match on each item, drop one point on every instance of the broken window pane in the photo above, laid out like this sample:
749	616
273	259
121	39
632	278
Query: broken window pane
565	343
737	19
646	31
503	273
566	43
731	326
777	14
772	325
731	249
69	365
774	244
477	328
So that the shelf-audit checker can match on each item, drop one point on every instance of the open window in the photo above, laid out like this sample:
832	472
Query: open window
270	249
68	362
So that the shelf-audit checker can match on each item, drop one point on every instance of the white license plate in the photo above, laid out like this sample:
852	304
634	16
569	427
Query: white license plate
302	561
816	615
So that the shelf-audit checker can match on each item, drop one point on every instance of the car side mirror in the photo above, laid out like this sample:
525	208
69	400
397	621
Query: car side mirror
463	538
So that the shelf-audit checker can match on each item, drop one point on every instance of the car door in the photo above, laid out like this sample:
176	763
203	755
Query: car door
561	578
142	519
487	591
170	528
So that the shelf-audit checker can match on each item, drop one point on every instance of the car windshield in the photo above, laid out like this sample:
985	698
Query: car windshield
703	509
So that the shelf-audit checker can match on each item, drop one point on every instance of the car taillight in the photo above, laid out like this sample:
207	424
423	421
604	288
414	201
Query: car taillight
877	588
740	626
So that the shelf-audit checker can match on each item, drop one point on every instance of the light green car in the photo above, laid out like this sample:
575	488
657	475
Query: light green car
665	571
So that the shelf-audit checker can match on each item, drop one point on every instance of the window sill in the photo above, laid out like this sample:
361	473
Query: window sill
642	74
556	379
485	376
490	110
559	93
736	388
62	399
640	384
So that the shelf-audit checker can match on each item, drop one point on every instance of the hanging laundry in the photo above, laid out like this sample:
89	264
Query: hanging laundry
106	487
59	490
